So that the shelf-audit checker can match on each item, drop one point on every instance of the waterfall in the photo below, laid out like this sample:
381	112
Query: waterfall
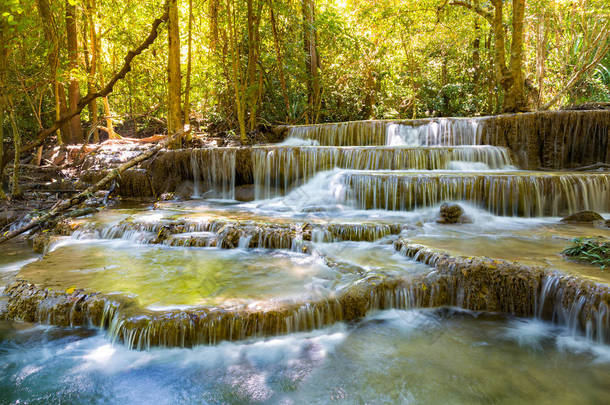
282	168
431	132
439	132
213	172
196	175
508	194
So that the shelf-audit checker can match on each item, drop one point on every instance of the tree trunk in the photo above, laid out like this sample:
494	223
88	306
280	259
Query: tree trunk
74	90
280	60
2	194
252	88
50	33
237	82
541	52
15	190
3	91
515	99
311	60
476	55
93	116
174	78
187	87
499	46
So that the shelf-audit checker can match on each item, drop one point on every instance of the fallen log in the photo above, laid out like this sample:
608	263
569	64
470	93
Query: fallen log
64	205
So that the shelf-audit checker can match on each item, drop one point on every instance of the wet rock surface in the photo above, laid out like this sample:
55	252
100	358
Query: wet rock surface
475	283
583	217
453	214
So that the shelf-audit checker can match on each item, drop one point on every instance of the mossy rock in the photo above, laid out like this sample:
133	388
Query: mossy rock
583	217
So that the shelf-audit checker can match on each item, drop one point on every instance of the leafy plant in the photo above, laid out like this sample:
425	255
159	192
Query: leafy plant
591	250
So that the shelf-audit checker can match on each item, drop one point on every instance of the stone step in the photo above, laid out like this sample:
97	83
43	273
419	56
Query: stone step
278	169
519	193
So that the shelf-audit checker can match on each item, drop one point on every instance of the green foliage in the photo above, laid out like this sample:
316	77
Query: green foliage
379	59
594	251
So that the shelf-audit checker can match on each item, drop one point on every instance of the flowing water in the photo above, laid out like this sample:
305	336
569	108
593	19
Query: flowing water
335	284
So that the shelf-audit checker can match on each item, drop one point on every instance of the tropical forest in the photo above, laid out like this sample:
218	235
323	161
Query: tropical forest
304	201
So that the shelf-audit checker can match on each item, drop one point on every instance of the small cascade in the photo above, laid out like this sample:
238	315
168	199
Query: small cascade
196	175
281	168
230	234
430	132
507	194
498	285
437	132
479	284
361	133
214	171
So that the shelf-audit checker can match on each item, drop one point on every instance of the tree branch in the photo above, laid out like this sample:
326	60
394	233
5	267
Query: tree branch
42	135
486	14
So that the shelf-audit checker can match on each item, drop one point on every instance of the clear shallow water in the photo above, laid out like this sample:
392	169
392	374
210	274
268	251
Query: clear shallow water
422	356
541	245
160	276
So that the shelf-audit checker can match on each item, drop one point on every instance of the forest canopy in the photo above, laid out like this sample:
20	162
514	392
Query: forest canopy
228	65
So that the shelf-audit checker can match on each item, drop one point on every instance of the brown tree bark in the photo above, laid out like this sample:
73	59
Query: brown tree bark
50	33
174	120
3	90
92	65
312	62
476	55
515	99
2	194
252	88
189	63
237	81
510	78
280	59
74	89
107	89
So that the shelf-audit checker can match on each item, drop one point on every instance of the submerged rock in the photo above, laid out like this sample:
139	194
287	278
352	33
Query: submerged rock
453	214
244	193
583	217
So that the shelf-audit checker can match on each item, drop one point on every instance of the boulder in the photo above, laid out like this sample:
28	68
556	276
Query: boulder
453	214
244	193
583	217
40	242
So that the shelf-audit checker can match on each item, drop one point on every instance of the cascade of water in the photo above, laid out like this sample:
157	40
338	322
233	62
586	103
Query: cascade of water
439	132
217	168
432	132
281	168
361	133
196	174
507	194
